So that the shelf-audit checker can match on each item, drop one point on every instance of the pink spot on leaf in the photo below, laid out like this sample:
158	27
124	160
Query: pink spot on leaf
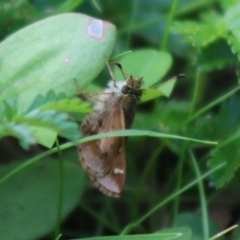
95	28
66	59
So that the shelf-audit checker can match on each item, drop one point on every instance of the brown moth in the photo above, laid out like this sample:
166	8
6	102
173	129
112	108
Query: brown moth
104	159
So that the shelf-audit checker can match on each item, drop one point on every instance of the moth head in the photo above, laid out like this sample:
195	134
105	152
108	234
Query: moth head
133	86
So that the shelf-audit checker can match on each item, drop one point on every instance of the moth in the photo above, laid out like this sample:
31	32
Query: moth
104	159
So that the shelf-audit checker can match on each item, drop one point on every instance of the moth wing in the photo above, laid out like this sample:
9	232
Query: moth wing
112	183
101	156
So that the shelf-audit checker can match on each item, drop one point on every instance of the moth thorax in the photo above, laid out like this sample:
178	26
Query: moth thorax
109	93
133	87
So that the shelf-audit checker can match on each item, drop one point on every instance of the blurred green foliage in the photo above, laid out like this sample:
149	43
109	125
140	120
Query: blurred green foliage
170	183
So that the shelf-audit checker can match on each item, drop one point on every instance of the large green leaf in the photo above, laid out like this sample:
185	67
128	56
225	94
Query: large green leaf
29	200
51	53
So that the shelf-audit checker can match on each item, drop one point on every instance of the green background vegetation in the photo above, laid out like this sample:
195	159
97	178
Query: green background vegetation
182	153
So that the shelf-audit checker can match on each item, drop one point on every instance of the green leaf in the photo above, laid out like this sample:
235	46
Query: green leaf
224	127
185	232
21	131
215	55
149	64
234	41
226	123
31	198
198	34
44	136
51	53
164	89
228	153
194	221
60	102
164	117
46	117
232	17
236	232
226	4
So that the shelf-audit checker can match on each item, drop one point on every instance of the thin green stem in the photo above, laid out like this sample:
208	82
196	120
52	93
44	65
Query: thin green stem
212	104
131	226
68	6
61	190
169	22
223	232
202	198
179	178
99	218
96	5
95	137
195	94
149	166
58	237
131	21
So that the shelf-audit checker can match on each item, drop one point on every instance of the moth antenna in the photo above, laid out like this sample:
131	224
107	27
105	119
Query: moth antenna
76	84
84	95
181	75
80	93
125	75
111	73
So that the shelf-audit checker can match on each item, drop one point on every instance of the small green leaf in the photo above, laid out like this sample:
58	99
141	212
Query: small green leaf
164	89
167	87
21	131
198	34
44	136
215	55
234	41
150	94
149	64
229	154
46	118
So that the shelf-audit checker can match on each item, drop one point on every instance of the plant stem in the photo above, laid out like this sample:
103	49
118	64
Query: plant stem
61	191
210	105
202	198
131	226
169	22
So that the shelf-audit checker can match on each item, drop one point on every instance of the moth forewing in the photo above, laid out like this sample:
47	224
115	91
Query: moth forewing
104	159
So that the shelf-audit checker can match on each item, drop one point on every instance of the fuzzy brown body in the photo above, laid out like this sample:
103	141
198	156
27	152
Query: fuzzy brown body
104	159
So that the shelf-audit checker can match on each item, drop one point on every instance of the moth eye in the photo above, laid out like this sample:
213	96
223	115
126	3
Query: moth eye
118	171
125	89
